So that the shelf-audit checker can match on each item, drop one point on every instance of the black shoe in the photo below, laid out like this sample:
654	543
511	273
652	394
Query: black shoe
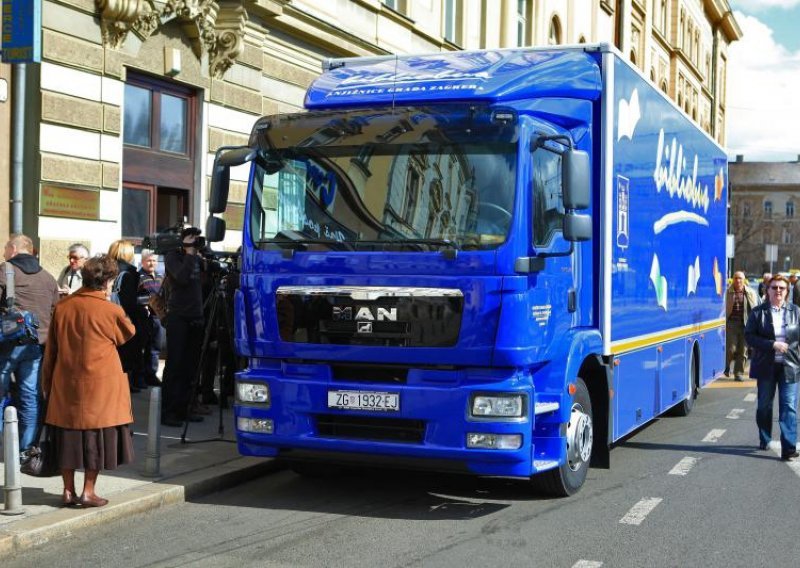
195	418
790	457
739	379
209	398
763	446
173	421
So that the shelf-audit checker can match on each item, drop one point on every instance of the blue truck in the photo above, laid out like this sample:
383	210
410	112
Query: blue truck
493	262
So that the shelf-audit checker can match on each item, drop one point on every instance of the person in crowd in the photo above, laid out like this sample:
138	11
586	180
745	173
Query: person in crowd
762	286
794	289
70	278
740	299
83	382
184	325
36	291
149	285
130	352
773	333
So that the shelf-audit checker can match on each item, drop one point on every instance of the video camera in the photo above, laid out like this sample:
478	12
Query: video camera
165	241
170	240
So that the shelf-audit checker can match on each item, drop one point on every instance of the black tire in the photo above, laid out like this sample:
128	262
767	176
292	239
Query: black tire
568	478
684	408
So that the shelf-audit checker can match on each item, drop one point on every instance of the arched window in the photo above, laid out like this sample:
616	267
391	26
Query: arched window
633	56
582	39
554	35
653	74
665	86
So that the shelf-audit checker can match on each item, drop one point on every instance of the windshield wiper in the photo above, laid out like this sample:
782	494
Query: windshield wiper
410	242
294	244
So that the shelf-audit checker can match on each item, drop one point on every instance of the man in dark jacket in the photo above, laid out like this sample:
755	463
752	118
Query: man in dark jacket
184	325
773	332
36	291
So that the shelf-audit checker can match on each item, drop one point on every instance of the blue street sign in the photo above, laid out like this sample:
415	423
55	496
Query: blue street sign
22	31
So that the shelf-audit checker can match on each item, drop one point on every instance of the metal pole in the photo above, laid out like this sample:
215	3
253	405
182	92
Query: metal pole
152	456
12	488
18	147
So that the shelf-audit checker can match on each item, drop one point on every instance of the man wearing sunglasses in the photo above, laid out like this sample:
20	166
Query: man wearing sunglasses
184	325
739	300
70	278
773	332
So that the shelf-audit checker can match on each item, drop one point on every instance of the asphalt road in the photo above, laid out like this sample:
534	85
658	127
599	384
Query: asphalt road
691	491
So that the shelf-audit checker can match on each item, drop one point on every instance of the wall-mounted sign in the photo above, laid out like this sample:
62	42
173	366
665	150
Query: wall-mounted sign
22	31
68	202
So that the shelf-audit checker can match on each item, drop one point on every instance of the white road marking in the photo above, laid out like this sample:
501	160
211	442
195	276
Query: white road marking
587	564
750	397
735	413
713	436
639	512
684	466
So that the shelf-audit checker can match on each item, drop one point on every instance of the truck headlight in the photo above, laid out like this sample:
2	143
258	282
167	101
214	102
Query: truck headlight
498	406
255	425
494	441
255	393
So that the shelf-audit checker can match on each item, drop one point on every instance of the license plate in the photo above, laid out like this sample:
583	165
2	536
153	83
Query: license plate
364	400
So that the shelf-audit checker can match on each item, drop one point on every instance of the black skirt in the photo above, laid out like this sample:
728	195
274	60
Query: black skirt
103	448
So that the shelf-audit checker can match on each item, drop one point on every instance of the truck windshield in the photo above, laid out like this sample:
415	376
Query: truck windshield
379	180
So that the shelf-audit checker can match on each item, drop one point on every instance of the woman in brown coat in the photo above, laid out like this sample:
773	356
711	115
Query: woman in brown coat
87	393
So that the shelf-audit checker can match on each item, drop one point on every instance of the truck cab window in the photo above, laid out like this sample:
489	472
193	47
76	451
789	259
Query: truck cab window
548	206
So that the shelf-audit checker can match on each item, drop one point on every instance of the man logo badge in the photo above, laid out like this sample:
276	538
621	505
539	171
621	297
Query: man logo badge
364	327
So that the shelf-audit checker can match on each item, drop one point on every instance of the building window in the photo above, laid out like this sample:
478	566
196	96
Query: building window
452	17
787	237
158	162
554	34
790	208
768	209
664	86
745	209
582	39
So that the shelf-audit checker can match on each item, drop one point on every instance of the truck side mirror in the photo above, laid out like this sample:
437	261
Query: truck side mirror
215	229
575	173
576	227
226	158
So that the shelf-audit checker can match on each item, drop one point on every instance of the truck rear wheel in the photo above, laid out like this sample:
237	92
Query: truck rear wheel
568	478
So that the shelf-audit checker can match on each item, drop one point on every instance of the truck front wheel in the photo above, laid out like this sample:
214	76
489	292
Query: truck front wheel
568	478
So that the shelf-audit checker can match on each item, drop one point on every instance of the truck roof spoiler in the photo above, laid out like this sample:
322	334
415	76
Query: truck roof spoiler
336	62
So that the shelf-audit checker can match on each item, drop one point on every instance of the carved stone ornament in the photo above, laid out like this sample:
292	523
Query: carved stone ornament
215	26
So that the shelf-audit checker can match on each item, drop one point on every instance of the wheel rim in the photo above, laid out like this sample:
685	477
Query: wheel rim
580	436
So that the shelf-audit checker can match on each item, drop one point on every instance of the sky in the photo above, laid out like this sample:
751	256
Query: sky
763	91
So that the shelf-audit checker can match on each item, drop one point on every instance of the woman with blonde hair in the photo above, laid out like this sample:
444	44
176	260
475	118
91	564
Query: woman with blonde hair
88	401
128	283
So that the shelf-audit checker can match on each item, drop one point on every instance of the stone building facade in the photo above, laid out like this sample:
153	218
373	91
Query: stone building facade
133	97
765	210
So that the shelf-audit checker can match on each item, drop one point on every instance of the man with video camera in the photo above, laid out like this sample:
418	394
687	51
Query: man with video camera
184	325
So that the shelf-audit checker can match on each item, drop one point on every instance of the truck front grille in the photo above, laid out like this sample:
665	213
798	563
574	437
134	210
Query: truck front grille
368	428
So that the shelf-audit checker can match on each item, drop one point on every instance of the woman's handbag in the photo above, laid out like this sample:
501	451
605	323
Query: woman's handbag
159	303
40	460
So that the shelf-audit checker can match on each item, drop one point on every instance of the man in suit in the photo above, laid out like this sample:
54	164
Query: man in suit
773	332
740	299
794	289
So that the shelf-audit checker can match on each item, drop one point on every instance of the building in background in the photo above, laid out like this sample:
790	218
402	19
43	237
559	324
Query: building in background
764	210
133	97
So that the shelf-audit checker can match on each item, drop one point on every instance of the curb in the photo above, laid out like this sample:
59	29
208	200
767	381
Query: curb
62	523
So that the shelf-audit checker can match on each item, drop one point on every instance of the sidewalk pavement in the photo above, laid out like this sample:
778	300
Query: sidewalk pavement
207	463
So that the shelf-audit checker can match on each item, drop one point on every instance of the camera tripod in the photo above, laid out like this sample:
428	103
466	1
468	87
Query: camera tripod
219	327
